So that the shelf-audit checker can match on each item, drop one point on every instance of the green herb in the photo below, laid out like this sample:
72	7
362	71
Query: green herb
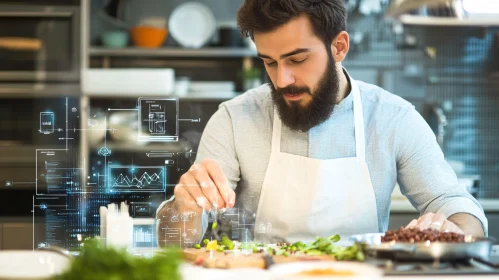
98	262
321	246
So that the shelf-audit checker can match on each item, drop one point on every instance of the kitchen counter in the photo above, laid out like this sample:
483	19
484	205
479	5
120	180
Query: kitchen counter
404	206
191	272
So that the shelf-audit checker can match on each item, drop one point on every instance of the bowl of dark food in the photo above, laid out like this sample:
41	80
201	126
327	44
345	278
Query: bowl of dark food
428	244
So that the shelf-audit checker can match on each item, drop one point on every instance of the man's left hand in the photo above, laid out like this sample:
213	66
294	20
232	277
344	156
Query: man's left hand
434	221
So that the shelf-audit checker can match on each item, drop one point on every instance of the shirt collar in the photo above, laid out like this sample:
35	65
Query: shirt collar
347	102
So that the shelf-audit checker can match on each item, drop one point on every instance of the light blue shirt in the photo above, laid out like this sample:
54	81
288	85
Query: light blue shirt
400	147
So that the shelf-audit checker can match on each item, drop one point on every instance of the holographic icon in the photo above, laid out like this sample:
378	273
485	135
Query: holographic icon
104	151
46	122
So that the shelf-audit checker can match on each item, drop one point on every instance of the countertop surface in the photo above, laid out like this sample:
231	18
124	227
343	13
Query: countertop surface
191	272
402	205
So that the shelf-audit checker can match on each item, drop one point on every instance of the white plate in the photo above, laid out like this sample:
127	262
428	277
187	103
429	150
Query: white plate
290	270
18	264
192	24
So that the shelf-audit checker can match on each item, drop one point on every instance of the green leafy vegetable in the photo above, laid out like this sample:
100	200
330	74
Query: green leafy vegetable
97	262
321	246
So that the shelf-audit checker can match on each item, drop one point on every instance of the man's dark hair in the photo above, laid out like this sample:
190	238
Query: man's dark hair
328	17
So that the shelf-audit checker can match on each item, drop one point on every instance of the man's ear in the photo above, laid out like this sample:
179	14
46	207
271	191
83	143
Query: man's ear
340	46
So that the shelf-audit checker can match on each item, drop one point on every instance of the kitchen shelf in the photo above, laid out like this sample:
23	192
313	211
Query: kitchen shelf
447	21
404	206
173	52
31	90
193	96
172	147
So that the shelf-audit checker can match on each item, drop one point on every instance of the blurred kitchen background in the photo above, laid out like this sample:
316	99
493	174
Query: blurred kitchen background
87	62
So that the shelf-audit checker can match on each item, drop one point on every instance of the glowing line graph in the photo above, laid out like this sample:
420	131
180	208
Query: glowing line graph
136	178
139	183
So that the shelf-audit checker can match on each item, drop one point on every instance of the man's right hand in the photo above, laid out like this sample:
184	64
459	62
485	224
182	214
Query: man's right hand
203	186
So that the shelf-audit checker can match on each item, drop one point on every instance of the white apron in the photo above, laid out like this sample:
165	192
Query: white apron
302	198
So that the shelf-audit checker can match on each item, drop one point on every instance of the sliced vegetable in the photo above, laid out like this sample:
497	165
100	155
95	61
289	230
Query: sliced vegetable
212	245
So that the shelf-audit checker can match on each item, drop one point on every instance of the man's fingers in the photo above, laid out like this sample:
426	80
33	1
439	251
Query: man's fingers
192	187
412	224
425	221
220	180
184	201
449	226
437	222
208	187
434	221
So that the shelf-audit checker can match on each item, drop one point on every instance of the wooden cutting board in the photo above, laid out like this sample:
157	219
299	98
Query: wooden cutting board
238	260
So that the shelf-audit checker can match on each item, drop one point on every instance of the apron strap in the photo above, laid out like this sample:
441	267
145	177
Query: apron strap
358	115
276	133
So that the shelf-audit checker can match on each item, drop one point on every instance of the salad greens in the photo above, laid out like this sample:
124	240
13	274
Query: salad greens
98	262
321	246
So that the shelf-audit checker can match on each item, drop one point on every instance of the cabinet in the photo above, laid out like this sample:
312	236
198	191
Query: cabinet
20	233
17	236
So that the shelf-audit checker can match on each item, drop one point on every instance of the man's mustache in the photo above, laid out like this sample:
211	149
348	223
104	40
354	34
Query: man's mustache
293	90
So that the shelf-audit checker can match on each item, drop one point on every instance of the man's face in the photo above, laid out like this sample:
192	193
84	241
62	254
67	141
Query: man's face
304	78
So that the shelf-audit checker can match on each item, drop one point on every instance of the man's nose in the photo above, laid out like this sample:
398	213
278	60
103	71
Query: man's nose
284	77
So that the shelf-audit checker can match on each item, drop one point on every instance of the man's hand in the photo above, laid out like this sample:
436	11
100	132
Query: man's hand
434	221
202	187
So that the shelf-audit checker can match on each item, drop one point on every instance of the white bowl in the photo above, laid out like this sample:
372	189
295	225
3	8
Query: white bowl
23	264
291	270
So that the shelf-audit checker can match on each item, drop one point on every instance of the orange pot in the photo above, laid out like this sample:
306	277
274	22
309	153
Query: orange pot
148	36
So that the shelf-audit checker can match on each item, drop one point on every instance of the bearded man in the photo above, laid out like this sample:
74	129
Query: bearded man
316	152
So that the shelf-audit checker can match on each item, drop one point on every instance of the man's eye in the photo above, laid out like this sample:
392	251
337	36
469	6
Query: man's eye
271	63
298	61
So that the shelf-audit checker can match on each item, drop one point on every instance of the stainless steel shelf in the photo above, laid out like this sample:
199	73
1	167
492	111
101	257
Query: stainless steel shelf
174	147
223	96
29	90
447	21
173	52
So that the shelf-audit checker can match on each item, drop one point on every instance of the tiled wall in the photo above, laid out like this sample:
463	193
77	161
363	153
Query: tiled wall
463	78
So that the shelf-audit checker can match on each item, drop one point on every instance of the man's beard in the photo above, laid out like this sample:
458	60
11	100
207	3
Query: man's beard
303	118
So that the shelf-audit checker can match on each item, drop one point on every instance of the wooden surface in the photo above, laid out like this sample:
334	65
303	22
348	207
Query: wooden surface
228	260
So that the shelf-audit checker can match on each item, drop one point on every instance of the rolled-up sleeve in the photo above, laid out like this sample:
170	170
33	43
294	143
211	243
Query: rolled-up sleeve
425	177
217	143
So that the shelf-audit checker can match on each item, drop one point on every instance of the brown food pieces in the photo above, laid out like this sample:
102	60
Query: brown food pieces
414	235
